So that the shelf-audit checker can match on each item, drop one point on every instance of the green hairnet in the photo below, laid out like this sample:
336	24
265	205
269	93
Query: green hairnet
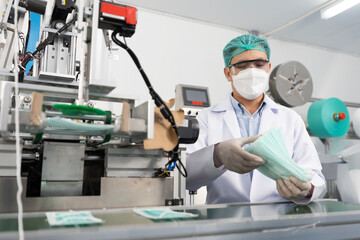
242	43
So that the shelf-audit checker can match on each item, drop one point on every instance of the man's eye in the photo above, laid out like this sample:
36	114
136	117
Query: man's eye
240	66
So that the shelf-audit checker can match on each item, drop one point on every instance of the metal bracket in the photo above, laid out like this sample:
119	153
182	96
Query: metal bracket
174	202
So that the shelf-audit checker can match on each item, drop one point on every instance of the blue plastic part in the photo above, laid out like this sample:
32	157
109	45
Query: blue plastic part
171	166
33	37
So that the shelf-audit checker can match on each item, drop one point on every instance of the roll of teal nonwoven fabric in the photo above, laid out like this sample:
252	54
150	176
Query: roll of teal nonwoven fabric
328	118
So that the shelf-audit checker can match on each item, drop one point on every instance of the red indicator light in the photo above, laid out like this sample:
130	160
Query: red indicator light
197	103
339	116
342	116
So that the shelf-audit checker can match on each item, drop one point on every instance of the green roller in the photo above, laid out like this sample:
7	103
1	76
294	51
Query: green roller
78	110
328	118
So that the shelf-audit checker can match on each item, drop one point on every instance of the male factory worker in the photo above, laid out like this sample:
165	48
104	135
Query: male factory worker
218	161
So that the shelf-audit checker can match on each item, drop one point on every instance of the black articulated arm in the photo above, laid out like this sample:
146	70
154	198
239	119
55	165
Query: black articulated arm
165	111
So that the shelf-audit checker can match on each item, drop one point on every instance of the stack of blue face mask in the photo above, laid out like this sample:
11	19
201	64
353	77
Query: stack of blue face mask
272	148
58	123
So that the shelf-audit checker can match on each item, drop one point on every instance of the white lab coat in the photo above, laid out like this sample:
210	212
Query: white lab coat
219	123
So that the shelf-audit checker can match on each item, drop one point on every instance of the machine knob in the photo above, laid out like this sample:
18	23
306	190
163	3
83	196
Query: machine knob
339	116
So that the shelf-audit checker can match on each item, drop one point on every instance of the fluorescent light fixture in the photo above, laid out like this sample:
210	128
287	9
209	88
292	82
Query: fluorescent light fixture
338	7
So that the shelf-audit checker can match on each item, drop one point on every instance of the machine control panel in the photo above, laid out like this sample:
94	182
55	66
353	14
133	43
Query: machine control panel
191	99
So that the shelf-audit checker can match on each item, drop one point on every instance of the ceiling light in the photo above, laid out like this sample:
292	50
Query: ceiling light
337	7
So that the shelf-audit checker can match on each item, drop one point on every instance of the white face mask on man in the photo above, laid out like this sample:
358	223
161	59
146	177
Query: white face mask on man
251	82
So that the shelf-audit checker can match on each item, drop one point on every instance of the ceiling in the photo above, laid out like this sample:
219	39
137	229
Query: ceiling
292	20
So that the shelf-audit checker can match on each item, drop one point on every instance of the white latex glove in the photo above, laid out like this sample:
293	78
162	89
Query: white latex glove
234	158
294	189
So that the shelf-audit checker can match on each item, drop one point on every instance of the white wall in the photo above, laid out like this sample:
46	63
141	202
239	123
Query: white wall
176	50
173	51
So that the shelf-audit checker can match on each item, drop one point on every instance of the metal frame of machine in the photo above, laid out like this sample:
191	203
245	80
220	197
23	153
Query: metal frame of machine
64	169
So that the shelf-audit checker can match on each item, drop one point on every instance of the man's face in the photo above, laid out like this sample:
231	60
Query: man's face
246	60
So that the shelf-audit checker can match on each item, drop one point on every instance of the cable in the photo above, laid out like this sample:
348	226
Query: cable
29	56
27	36
17	129
22	52
165	111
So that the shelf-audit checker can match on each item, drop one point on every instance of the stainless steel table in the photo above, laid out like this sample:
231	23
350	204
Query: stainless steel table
325	219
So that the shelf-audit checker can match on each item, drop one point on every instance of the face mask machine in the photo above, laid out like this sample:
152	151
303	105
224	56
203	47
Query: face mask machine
73	155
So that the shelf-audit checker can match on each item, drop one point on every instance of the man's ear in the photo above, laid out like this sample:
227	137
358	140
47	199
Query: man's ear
227	74
269	69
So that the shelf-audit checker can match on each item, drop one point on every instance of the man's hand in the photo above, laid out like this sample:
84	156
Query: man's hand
294	189
234	158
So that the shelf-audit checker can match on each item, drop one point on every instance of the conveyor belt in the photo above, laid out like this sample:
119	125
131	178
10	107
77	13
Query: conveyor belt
322	219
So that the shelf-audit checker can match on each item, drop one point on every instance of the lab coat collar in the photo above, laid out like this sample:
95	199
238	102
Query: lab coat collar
230	119
229	116
226	105
222	106
271	104
268	115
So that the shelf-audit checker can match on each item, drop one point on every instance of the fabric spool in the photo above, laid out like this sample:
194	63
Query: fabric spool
328	118
356	122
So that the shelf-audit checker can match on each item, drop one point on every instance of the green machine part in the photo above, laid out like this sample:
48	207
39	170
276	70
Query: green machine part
79	110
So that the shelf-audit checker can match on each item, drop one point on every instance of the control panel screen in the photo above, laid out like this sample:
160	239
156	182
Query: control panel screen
195	97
